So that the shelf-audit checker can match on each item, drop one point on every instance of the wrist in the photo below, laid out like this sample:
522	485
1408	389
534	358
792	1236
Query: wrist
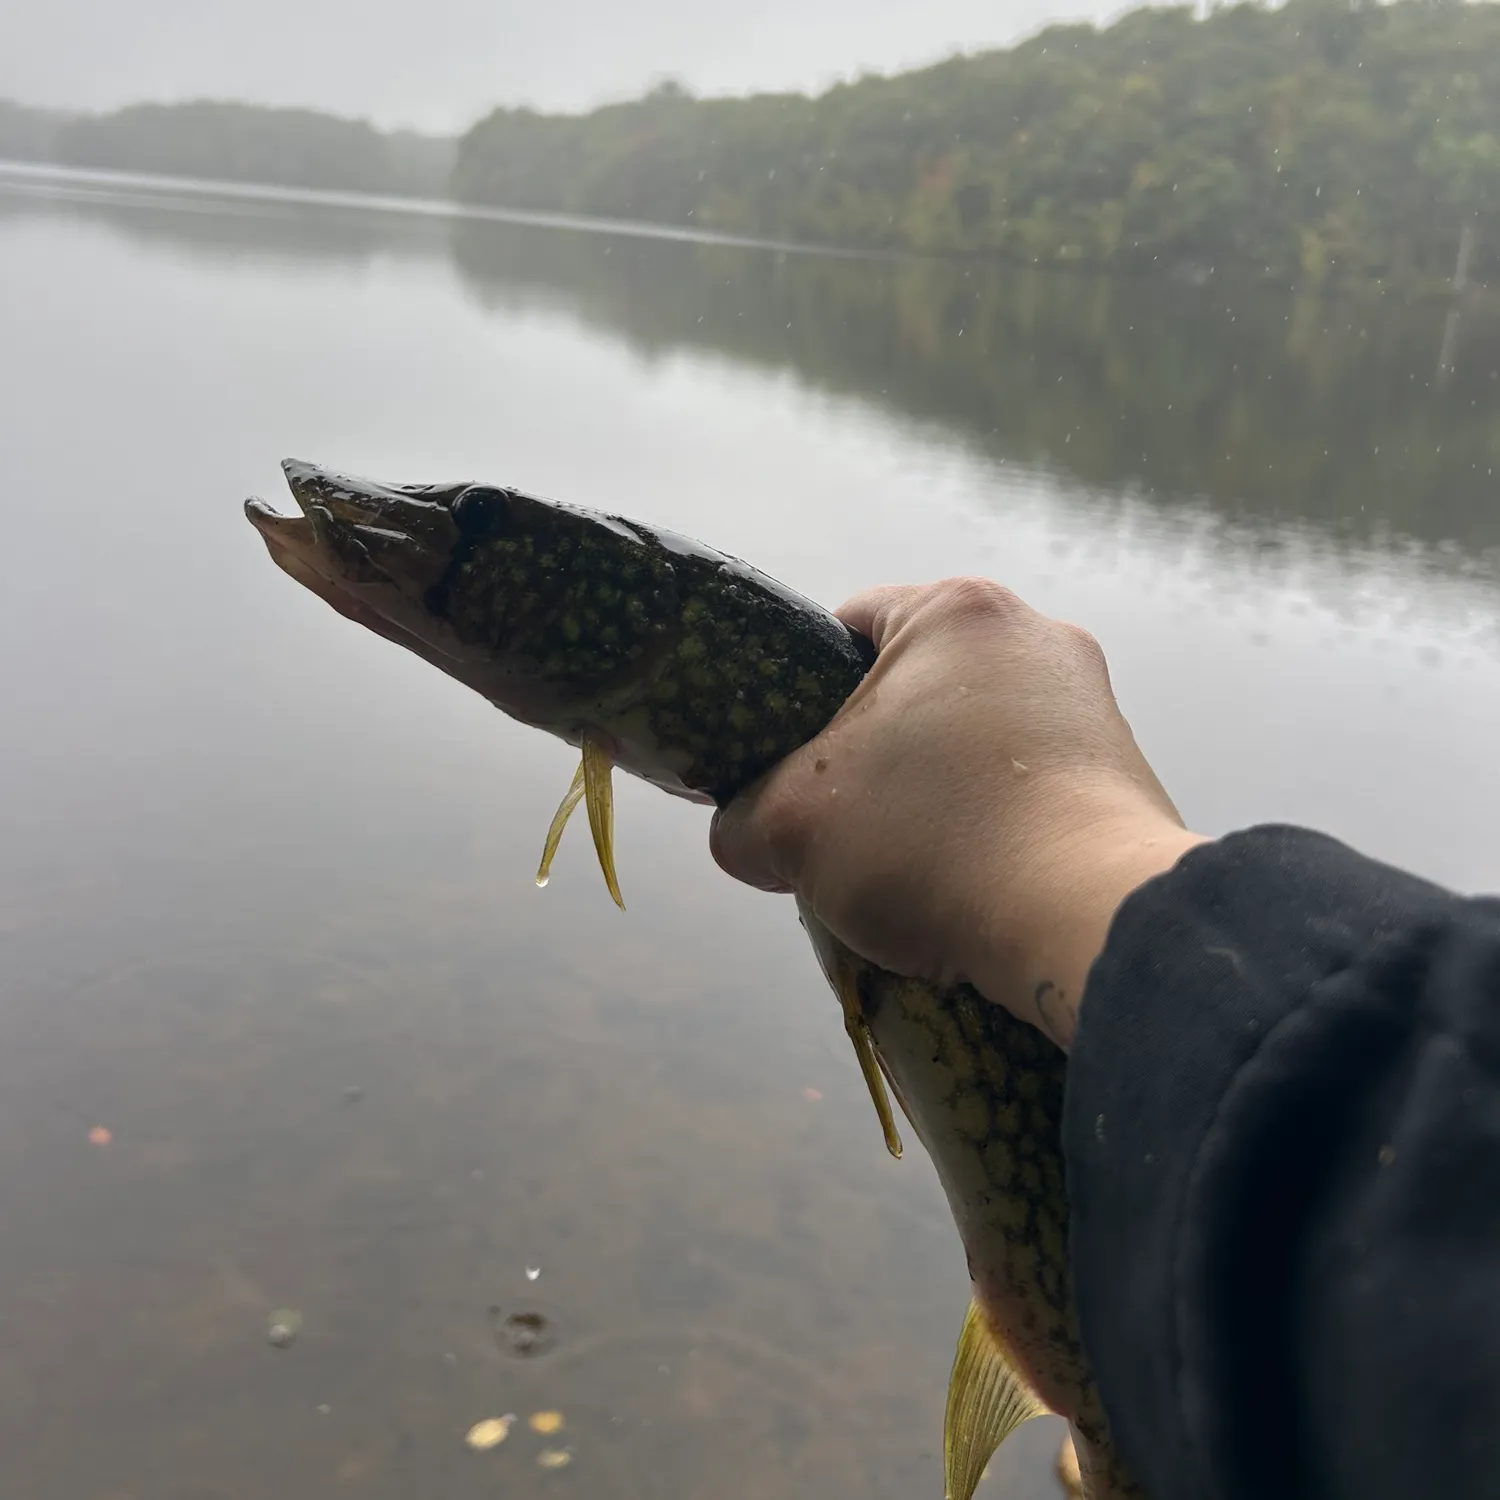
1041	968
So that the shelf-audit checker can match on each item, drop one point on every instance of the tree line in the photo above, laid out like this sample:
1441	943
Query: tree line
1318	137
1314	139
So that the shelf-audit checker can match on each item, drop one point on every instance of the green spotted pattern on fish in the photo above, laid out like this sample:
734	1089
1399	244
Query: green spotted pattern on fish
674	625
984	1093
676	663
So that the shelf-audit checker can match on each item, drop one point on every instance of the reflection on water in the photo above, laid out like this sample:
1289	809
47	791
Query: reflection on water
265	899
1367	415
1270	409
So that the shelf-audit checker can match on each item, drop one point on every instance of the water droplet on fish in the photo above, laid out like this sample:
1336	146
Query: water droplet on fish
532	1272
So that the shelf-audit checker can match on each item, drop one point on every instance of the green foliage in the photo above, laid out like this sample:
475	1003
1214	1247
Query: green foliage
1322	137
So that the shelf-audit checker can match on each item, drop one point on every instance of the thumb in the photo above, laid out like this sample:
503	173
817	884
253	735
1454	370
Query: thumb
880	612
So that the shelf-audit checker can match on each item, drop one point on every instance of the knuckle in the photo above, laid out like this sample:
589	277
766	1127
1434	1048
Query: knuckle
1084	641
973	598
1085	645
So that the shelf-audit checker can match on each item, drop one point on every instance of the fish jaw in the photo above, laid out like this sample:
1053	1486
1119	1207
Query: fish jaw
372	552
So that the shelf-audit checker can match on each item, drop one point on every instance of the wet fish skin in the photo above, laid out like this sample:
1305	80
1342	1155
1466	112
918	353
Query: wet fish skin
731	670
698	671
695	671
984	1093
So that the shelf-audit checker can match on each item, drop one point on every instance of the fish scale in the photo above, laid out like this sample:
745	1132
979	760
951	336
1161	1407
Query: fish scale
984	1093
656	654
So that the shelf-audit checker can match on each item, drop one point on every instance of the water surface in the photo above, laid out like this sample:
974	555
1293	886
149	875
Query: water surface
265	901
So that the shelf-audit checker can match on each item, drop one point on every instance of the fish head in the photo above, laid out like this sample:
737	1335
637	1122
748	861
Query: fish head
372	551
689	668
496	588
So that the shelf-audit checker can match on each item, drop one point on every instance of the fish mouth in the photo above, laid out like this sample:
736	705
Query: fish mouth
370	550
337	508
352	500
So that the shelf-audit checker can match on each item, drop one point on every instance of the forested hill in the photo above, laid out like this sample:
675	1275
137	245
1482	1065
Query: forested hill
1324	136
236	142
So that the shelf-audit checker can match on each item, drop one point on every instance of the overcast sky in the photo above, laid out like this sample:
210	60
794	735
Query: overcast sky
439	64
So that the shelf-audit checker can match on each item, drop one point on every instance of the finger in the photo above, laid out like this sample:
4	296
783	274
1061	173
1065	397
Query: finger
880	612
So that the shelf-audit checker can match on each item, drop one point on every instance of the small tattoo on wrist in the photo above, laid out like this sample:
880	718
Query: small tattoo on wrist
1050	1005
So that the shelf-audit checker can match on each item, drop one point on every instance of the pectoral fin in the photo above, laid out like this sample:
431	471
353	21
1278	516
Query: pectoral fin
559	822
591	783
988	1398
846	987
598	791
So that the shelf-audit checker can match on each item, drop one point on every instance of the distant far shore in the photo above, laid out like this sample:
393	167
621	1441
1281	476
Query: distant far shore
1318	141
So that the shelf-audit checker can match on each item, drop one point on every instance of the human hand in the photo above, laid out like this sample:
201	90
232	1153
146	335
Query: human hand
977	810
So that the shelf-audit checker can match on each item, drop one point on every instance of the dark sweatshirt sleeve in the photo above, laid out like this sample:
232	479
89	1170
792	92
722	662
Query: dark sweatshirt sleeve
1282	1133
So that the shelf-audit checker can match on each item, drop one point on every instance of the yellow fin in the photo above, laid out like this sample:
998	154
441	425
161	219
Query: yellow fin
988	1398
896	1094
559	822
864	1050
846	987
600	795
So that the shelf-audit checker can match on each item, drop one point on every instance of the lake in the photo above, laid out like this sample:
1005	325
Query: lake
266	904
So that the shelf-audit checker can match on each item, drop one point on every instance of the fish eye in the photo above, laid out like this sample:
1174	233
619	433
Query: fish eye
482	511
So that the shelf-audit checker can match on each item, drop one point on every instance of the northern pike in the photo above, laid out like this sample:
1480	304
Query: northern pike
656	654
